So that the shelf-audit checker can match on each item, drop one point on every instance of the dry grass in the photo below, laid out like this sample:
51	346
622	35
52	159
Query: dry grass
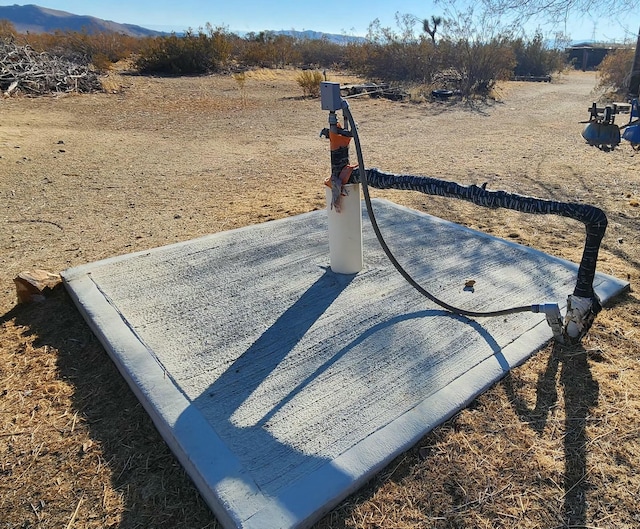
113	83
554	444
270	74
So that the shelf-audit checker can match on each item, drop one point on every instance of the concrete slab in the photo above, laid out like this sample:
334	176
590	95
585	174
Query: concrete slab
281	386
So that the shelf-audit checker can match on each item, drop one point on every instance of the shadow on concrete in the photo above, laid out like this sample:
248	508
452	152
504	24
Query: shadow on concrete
495	347
274	464
241	378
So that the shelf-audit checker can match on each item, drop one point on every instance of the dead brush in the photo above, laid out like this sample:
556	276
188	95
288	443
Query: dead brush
112	83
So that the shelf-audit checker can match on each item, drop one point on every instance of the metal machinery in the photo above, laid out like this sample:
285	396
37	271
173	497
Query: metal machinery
601	130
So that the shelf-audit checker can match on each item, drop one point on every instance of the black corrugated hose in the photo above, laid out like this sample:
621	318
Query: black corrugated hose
593	218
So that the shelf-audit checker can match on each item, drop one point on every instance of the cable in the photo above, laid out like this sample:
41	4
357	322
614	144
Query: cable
387	250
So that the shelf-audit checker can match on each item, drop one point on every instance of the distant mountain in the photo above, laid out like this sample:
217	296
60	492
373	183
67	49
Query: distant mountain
36	19
316	35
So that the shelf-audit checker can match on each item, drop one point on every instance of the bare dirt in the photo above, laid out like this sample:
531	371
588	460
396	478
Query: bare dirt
85	177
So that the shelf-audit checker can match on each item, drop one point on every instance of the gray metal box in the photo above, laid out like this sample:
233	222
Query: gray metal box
330	96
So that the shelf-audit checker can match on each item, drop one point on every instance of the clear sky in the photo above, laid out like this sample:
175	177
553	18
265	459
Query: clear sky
350	17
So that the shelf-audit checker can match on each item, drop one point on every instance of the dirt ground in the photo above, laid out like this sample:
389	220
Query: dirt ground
85	177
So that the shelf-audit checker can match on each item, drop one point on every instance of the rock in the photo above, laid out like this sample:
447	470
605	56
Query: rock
32	286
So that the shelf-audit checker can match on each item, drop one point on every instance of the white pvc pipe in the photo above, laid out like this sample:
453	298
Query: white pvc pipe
345	232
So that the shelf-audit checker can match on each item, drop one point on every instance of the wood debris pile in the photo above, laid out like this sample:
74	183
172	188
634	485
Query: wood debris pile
24	70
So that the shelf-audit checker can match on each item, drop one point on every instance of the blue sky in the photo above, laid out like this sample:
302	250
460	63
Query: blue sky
350	17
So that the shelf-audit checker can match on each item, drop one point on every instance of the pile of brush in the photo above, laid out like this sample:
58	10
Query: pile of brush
23	70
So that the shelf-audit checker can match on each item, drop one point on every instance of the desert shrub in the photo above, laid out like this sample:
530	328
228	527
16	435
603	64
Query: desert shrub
193	53
478	65
241	82
102	48
174	55
614	70
268	50
354	56
476	49
286	52
252	53
534	58
414	61
320	52
7	30
101	62
309	81
395	56
471	54
357	57
401	61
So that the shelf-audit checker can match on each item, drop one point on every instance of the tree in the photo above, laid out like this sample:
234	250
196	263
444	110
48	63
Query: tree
559	10
430	29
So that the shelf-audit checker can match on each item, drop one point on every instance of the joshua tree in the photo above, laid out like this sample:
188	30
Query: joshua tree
428	29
